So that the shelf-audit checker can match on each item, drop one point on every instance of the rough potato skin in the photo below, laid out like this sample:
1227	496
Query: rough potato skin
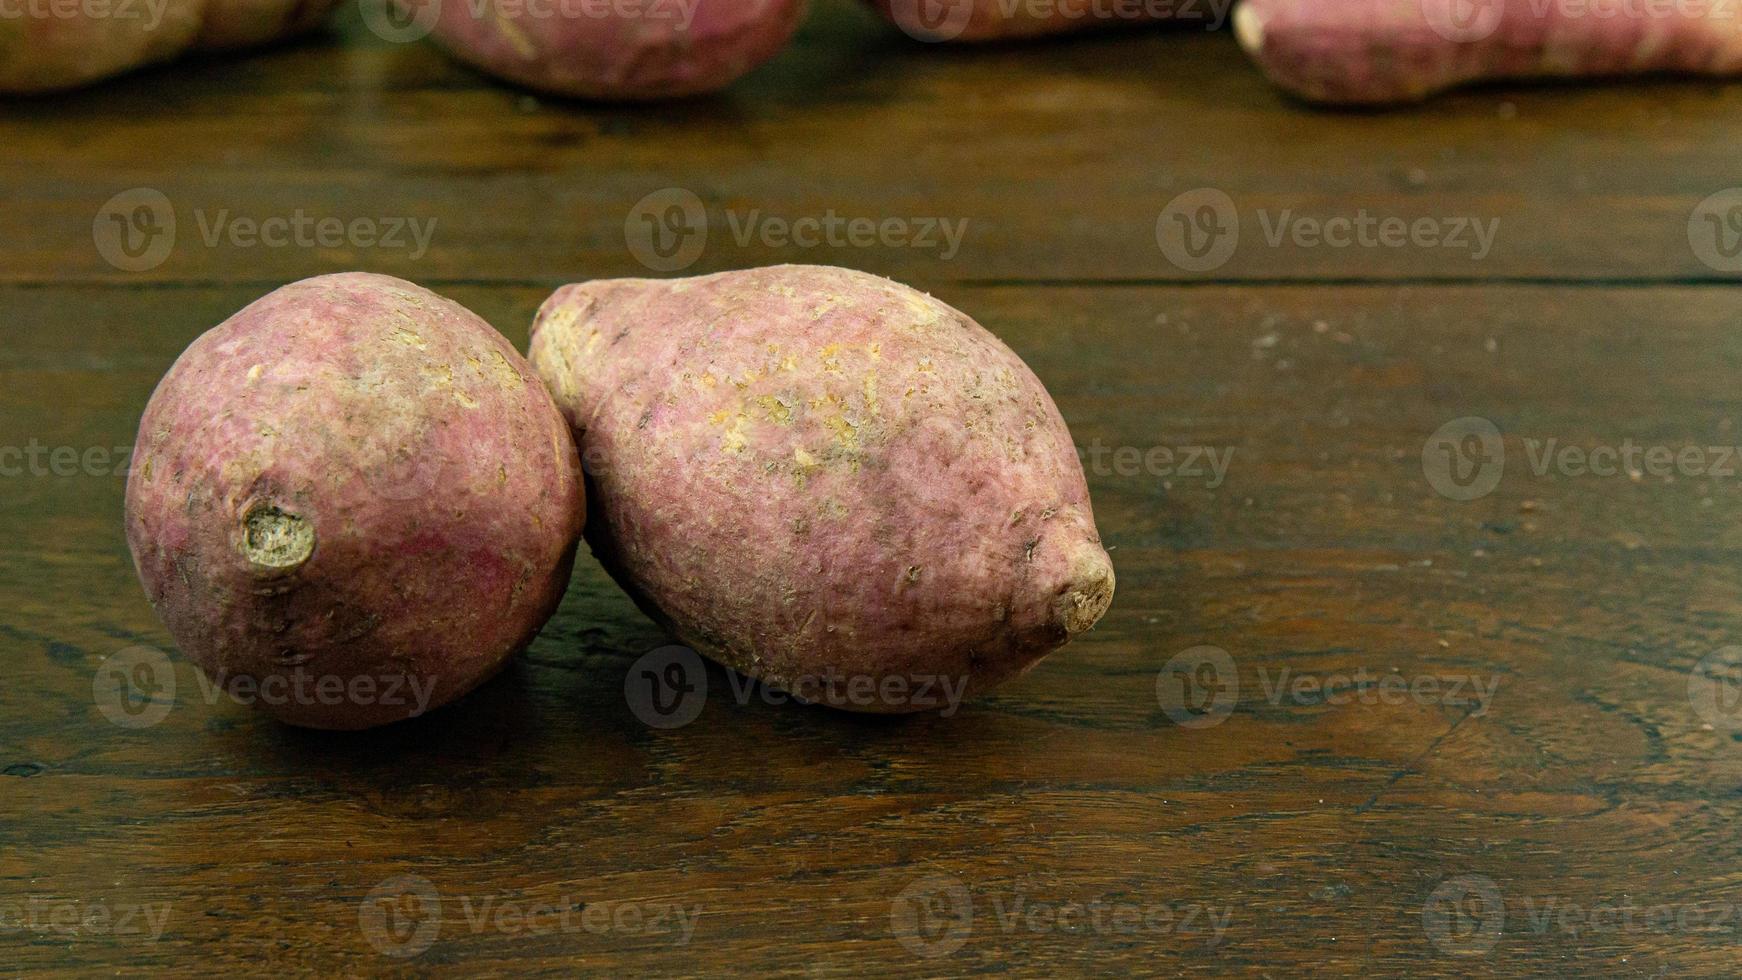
567	47
46	51
353	478
1377	52
814	475
1005	20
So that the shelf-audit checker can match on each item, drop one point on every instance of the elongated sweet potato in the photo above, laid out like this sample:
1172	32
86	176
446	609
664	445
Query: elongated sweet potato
49	45
614	49
1004	20
352	501
826	480
1392	51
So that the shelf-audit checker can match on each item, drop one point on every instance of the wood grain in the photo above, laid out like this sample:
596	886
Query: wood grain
1312	828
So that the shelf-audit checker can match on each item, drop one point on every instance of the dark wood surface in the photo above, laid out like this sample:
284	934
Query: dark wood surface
1578	822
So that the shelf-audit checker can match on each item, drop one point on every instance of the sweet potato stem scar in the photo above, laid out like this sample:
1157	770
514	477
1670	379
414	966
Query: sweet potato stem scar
275	539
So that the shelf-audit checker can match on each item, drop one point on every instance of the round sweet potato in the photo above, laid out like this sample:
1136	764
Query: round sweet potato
826	480
51	45
352	501
613	49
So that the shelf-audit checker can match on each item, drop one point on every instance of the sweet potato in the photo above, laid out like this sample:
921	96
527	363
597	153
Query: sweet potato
50	45
614	49
1004	20
352	502
826	480
1396	51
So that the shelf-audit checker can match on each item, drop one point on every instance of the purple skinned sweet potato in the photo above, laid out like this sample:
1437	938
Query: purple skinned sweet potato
613	49
352	502
49	46
1381	52
826	480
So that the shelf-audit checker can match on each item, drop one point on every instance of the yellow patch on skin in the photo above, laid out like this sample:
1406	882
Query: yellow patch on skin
254	372
876	352
831	359
925	365
733	441
516	37
409	338
505	373
845	433
562	318
871	392
803	458
778	411
719	417
465	400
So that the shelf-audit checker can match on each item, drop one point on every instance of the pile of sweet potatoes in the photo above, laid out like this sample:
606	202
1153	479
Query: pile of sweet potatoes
1332	51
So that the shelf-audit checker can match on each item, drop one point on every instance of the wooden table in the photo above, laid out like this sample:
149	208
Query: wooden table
1395	693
